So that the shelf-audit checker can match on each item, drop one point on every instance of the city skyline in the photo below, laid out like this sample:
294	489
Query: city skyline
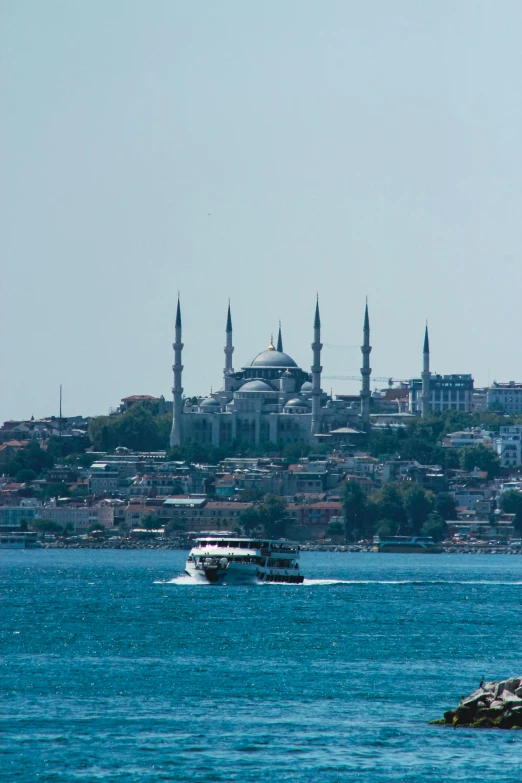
261	153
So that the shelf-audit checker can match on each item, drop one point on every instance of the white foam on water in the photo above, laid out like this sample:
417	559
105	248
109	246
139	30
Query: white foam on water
185	579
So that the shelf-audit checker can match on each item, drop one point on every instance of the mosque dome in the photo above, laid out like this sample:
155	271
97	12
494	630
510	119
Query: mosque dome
296	402
306	387
273	358
256	386
209	402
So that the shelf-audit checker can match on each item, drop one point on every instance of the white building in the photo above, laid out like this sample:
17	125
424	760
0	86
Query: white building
505	396
470	437
508	445
79	518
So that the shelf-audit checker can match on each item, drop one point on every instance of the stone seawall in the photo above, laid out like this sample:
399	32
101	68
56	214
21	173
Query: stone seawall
127	544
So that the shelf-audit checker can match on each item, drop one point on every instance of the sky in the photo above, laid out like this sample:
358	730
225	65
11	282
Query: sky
263	152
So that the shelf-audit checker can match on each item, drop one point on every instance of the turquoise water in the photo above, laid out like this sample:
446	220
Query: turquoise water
110	674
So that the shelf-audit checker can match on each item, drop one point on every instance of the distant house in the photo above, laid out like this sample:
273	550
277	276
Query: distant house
128	402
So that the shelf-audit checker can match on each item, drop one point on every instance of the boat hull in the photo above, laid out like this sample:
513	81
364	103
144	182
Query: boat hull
243	575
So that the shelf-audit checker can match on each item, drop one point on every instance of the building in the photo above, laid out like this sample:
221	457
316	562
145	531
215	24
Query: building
79	517
470	437
270	400
201	514
508	446
446	392
14	518
431	393
506	397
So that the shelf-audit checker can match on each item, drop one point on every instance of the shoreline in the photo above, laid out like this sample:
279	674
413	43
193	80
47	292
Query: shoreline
128	545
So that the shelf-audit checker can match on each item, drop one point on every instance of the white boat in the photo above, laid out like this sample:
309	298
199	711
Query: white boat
229	559
20	540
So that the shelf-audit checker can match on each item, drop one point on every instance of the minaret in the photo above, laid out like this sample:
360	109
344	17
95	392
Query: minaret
229	348
366	370
279	340
425	396
177	390
316	373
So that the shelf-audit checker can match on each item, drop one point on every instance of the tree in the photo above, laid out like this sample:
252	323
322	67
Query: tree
389	503
177	487
273	516
150	522
354	506
417	506
31	457
25	475
139	428
46	526
435	526
54	490
175	526
445	506
87	458
249	519
510	502
386	527
482	458
335	528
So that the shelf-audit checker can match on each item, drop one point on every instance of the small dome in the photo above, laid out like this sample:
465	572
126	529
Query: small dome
272	358
256	386
287	374
209	402
306	387
296	402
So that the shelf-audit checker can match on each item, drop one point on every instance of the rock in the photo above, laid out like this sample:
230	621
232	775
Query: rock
497	705
477	696
511	699
510	685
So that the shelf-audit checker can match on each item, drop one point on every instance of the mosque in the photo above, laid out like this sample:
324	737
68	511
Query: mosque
270	400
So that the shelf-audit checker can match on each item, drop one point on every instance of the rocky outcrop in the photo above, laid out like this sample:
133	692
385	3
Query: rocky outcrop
495	705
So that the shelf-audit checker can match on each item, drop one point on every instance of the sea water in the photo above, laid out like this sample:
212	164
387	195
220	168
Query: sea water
114	669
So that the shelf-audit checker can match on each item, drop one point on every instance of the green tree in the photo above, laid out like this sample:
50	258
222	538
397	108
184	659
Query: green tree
150	522
54	490
389	503
175	526
335	528
250	519
386	527
445	505
482	458
25	475
417	506
46	526
31	457
436	527
86	459
510	501
273	515
177	487
354	508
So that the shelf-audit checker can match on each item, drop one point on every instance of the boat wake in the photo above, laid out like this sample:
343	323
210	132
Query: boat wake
185	579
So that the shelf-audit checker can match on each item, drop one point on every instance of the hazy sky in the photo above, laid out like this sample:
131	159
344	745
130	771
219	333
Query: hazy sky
260	151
